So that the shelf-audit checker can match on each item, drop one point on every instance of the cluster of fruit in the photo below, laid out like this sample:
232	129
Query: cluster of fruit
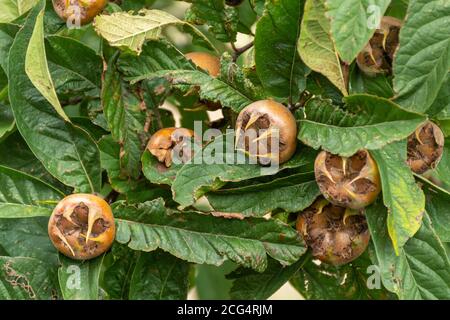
334	226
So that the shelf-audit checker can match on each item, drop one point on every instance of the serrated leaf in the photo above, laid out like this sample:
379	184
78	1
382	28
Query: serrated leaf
79	280
353	23
222	20
36	66
291	194
201	238
123	29
422	62
22	196
420	271
67	151
278	63
402	196
365	122
217	164
12	9
316	47
23	278
159	276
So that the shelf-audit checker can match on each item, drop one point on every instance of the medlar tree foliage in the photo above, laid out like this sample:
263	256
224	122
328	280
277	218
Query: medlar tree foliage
359	98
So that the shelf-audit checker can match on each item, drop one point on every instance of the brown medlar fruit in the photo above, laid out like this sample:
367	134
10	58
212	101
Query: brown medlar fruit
378	55
425	147
267	130
83	10
82	226
352	182
205	61
336	235
166	142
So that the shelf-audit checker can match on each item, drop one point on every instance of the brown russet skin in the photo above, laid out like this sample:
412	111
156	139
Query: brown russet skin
352	182
88	9
269	116
82	226
425	148
336	235
205	61
378	55
164	141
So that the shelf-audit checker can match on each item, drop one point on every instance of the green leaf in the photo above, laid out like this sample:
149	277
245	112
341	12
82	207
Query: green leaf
377	85
36	66
27	238
437	207
211	282
291	194
126	115
22	196
201	238
159	276
422	61
441	173
222	20
321	281
156	172
401	195
420	271
7	123
126	30
279	67
67	151
23	278
7	34
219	163
353	23
365	122
110	159
12	9
315	45
441	104
252	285
79	280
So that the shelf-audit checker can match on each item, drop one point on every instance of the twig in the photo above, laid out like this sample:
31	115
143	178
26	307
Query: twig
239	51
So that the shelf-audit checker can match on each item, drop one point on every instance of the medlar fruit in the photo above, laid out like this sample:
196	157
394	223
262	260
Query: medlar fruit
336	235
425	147
352	182
205	61
263	123
82	226
165	142
233	3
378	55
82	10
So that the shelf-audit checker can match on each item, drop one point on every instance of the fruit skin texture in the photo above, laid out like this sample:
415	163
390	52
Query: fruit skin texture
352	182
89	9
378	55
205	61
425	148
163	142
82	226
335	234
270	116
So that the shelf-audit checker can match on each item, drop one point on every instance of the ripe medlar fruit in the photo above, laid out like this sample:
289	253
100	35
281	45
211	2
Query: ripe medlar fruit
263	123
205	61
336	235
84	10
425	147
165	142
378	55
233	3
352	182
82	226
